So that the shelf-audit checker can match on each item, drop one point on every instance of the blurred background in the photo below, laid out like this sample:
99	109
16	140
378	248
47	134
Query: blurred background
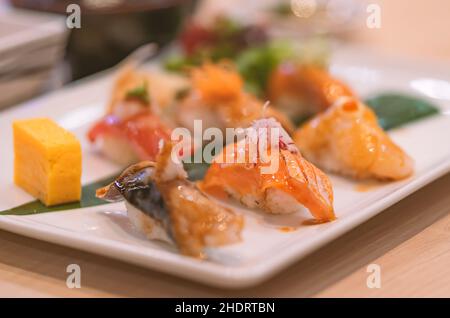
41	50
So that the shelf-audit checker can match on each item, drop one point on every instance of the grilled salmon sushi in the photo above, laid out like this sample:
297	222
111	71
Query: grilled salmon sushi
273	175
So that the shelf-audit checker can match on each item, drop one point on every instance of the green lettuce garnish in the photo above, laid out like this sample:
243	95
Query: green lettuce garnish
140	93
256	64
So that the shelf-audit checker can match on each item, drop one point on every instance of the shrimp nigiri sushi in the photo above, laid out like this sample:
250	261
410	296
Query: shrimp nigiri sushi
347	139
302	90
218	98
165	206
289	187
132	128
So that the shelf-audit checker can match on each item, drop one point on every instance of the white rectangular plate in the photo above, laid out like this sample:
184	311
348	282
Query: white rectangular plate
266	248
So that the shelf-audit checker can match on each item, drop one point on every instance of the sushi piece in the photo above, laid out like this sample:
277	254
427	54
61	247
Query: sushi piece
134	91
127	141
283	182
133	126
165	206
217	97
347	139
303	90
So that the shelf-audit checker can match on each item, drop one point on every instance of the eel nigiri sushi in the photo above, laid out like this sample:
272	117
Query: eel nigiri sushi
164	205
217	97
302	90
294	184
132	128
347	139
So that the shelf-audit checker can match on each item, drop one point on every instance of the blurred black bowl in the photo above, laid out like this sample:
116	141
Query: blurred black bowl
111	29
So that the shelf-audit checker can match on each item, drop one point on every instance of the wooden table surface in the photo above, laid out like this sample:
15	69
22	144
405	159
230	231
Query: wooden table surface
410	241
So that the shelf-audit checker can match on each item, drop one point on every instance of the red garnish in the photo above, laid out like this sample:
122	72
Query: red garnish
195	36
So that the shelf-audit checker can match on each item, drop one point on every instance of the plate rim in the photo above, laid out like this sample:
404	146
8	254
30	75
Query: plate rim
210	273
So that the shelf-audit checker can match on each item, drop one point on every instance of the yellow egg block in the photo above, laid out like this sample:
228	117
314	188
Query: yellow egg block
47	161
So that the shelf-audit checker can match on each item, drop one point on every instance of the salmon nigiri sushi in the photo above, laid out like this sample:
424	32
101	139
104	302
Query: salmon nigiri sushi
217	97
303	90
347	139
289	185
